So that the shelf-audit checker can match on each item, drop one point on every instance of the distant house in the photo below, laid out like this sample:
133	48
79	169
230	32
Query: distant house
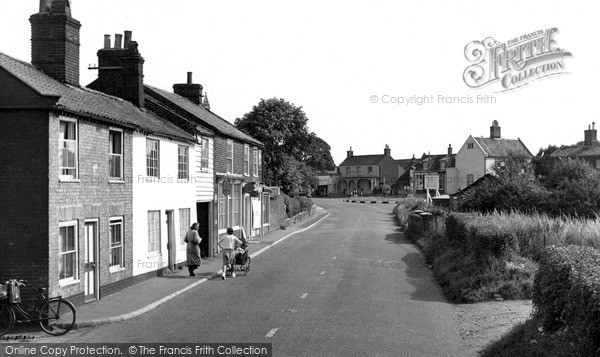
478	155
588	149
364	173
432	165
328	183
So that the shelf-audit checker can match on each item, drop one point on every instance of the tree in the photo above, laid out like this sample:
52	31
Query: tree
292	152
542	162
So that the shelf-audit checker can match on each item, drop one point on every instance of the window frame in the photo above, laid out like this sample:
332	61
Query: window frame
121	155
470	146
183	175
255	162
113	221
151	241
246	160
183	225
61	140
229	156
204	150
222	209
236	205
358	171
75	251
150	159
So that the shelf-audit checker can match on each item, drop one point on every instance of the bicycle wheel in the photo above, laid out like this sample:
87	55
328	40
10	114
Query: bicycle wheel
7	319
57	317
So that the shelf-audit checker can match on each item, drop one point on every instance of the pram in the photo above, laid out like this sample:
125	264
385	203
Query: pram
242	258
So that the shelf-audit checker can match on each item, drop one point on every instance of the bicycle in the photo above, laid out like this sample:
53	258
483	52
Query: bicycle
55	315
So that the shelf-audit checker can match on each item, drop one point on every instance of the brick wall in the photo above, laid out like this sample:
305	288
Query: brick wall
92	197
24	196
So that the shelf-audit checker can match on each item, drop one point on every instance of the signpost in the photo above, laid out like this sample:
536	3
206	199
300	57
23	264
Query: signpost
432	182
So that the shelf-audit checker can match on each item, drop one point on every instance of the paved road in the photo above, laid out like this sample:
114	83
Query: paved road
351	286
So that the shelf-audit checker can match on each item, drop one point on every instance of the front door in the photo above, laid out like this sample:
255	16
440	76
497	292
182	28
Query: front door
91	268
171	244
247	216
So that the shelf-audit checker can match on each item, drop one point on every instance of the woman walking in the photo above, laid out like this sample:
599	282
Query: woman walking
192	238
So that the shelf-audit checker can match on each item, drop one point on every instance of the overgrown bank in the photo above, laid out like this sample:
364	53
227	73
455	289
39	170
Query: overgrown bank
477	257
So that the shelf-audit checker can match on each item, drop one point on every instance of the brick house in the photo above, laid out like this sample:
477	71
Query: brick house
587	150
366	172
70	226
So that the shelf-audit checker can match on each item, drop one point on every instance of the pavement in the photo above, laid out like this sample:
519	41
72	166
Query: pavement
149	294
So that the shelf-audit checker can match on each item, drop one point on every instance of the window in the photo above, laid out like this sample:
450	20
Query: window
222	217
441	182
255	160
348	171
152	158
259	163
116	243
370	170
420	182
229	156
184	223
153	231
183	159
246	160
469	179
68	149
597	163
115	154
442	165
469	145
236	204
204	153
359	171
67	250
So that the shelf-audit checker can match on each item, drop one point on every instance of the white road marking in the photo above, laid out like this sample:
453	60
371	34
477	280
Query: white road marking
323	272
304	296
271	333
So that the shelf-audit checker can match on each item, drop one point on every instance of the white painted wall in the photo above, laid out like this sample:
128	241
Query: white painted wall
469	161
166	194
204	178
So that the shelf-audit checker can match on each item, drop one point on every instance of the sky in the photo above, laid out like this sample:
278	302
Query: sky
346	62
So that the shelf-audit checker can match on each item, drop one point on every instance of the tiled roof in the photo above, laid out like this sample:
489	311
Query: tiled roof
87	102
578	150
503	147
362	160
433	162
208	118
405	163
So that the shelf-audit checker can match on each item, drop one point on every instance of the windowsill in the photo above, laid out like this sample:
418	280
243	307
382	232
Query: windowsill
68	179
116	181
154	255
115	269
68	282
183	180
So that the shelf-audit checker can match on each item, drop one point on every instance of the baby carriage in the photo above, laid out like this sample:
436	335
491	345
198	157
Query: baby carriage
242	258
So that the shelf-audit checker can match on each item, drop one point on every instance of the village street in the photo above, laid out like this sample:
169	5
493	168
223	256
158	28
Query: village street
350	286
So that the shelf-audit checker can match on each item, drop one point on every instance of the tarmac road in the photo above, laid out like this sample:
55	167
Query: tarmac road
350	286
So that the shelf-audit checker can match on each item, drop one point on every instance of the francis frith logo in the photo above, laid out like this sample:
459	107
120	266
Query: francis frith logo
514	63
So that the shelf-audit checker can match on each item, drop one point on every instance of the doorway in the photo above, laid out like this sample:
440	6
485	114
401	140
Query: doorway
171	244
91	268
203	214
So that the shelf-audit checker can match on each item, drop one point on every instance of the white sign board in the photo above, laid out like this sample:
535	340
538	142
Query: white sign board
432	182
256	210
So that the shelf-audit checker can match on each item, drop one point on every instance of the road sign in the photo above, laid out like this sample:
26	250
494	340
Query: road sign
432	182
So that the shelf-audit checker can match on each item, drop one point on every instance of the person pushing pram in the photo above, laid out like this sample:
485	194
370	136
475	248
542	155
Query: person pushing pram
235	251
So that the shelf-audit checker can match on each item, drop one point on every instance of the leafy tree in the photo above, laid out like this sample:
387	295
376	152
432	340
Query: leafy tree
542	162
292	152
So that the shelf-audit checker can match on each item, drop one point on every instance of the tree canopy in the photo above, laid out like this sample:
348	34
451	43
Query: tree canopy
292	152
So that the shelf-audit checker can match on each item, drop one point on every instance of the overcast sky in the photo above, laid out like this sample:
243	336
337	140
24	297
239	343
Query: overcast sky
332	57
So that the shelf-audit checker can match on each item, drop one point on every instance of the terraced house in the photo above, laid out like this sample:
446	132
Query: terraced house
73	160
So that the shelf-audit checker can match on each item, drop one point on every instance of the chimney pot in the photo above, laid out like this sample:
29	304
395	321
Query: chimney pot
593	125
189	78
106	41
118	40
128	35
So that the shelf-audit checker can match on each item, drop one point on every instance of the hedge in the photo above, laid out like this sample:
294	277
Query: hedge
566	295
481	236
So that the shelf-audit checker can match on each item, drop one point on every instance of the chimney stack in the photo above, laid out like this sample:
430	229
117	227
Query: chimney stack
349	153
189	90
387	151
55	41
495	130
590	135
121	70
449	149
